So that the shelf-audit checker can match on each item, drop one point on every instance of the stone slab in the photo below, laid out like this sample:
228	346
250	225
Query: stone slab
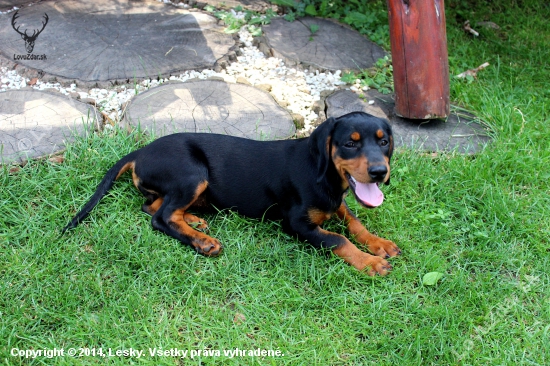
210	106
332	47
460	132
114	40
36	123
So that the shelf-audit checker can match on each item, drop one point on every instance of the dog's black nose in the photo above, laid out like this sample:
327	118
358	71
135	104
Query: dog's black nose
378	172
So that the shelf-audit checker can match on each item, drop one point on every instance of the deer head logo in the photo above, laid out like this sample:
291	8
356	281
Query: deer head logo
29	39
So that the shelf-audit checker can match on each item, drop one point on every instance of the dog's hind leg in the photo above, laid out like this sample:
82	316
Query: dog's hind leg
153	201
151	206
172	219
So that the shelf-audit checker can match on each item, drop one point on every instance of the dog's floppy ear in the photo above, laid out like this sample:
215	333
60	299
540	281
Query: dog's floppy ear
319	146
390	152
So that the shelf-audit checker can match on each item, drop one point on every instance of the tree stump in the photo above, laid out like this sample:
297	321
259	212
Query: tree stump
321	43
115	40
210	106
35	123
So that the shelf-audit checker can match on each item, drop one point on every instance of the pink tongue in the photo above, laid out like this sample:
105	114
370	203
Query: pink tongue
369	193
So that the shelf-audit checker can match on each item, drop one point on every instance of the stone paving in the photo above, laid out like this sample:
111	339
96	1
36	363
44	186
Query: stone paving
35	123
110	43
332	46
210	106
115	40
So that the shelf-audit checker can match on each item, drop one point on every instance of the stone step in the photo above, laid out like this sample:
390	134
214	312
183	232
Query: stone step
99	41
36	123
210	106
323	44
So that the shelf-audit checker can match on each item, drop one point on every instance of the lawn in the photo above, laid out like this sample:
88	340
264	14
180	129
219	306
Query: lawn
113	284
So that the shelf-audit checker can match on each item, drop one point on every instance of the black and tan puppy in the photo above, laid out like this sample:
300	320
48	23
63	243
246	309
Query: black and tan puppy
301	182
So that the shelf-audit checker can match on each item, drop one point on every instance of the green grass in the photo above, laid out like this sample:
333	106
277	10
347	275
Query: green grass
480	220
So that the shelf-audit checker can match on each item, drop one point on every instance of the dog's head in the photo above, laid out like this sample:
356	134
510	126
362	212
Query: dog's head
360	147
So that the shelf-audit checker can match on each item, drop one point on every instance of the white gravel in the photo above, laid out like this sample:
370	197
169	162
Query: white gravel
10	10
15	8
294	89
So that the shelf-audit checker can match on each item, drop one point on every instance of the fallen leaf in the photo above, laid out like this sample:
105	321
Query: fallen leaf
106	119
472	72
430	279
88	249
56	159
239	319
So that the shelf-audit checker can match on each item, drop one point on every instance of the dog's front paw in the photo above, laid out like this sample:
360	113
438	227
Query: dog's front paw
383	248
364	262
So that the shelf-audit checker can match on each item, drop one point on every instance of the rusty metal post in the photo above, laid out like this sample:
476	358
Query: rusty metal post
419	55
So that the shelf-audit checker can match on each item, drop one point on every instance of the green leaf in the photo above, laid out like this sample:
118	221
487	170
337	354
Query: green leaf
348	77
255	31
221	14
231	30
256	20
382	62
289	3
355	17
290	17
430	279
313	28
310	10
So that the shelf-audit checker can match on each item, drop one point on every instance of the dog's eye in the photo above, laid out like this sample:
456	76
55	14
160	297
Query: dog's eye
384	142
350	144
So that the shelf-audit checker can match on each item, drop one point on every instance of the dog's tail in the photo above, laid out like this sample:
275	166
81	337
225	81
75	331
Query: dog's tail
106	184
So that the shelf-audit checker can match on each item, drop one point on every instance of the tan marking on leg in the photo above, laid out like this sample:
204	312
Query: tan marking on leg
126	166
198	191
195	222
378	246
154	207
135	179
317	216
203	243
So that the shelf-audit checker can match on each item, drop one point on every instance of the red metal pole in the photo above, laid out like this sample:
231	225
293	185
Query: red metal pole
419	55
